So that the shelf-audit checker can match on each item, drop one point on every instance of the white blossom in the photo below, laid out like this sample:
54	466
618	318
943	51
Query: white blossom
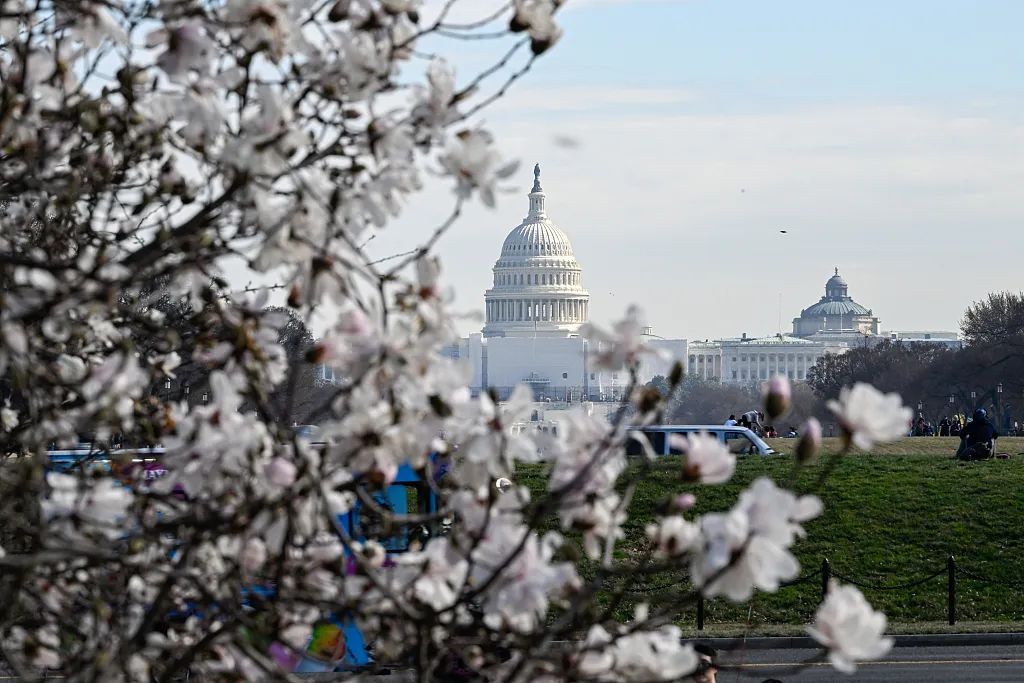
587	466
281	472
101	503
748	547
537	18
96	24
673	536
708	460
657	655
189	48
42	646
868	416
8	417
472	159
623	345
252	555
851	630
520	600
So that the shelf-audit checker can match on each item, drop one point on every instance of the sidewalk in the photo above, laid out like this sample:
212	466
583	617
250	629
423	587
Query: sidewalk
922	640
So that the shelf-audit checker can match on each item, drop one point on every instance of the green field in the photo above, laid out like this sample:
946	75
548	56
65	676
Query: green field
890	517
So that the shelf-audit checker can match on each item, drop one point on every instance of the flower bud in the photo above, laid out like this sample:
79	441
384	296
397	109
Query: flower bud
777	397
683	502
280	472
810	441
253	555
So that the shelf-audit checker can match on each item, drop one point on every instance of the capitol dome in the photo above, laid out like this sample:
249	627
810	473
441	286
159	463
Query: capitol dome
537	288
836	313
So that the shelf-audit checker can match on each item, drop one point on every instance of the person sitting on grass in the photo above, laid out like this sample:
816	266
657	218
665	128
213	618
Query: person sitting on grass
977	439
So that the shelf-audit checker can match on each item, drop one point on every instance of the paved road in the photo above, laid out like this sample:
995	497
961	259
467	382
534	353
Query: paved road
977	664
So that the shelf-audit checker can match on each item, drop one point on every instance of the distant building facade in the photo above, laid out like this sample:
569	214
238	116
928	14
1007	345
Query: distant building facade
836	316
750	360
833	325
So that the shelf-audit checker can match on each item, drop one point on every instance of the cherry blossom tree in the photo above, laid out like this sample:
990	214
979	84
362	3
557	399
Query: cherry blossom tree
151	142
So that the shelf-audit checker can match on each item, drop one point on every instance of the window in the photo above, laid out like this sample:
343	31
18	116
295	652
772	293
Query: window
763	358
565	375
734	373
744	373
592	376
635	447
734	359
743	358
739	443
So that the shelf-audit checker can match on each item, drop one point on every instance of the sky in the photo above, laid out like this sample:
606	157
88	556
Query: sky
886	138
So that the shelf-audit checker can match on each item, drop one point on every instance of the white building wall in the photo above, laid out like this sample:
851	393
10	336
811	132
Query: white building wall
749	361
555	364
652	365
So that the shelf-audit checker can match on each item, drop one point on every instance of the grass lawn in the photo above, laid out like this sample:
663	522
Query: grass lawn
890	517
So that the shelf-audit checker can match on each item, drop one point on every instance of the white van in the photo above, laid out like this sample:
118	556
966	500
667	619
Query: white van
740	440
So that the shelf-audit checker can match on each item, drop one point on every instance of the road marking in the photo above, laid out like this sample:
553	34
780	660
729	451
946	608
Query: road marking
911	662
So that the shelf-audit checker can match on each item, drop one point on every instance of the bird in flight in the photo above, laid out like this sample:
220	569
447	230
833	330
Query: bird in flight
784	232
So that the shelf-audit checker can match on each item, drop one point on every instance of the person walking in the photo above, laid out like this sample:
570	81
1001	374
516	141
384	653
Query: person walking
944	425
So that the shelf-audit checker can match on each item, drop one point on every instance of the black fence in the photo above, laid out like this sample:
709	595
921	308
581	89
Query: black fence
826	572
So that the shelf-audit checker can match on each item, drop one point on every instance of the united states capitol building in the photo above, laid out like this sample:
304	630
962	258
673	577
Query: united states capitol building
534	310
537	303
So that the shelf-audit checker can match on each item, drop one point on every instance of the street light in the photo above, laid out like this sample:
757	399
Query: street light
205	398
167	389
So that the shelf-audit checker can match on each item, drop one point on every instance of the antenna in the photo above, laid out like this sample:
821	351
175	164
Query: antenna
780	312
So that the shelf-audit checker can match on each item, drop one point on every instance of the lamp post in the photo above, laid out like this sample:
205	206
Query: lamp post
206	397
167	390
998	402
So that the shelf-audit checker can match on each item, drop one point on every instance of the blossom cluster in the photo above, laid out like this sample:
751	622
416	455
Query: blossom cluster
151	151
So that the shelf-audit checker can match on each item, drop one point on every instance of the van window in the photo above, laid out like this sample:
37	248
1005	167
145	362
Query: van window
656	439
739	443
672	449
